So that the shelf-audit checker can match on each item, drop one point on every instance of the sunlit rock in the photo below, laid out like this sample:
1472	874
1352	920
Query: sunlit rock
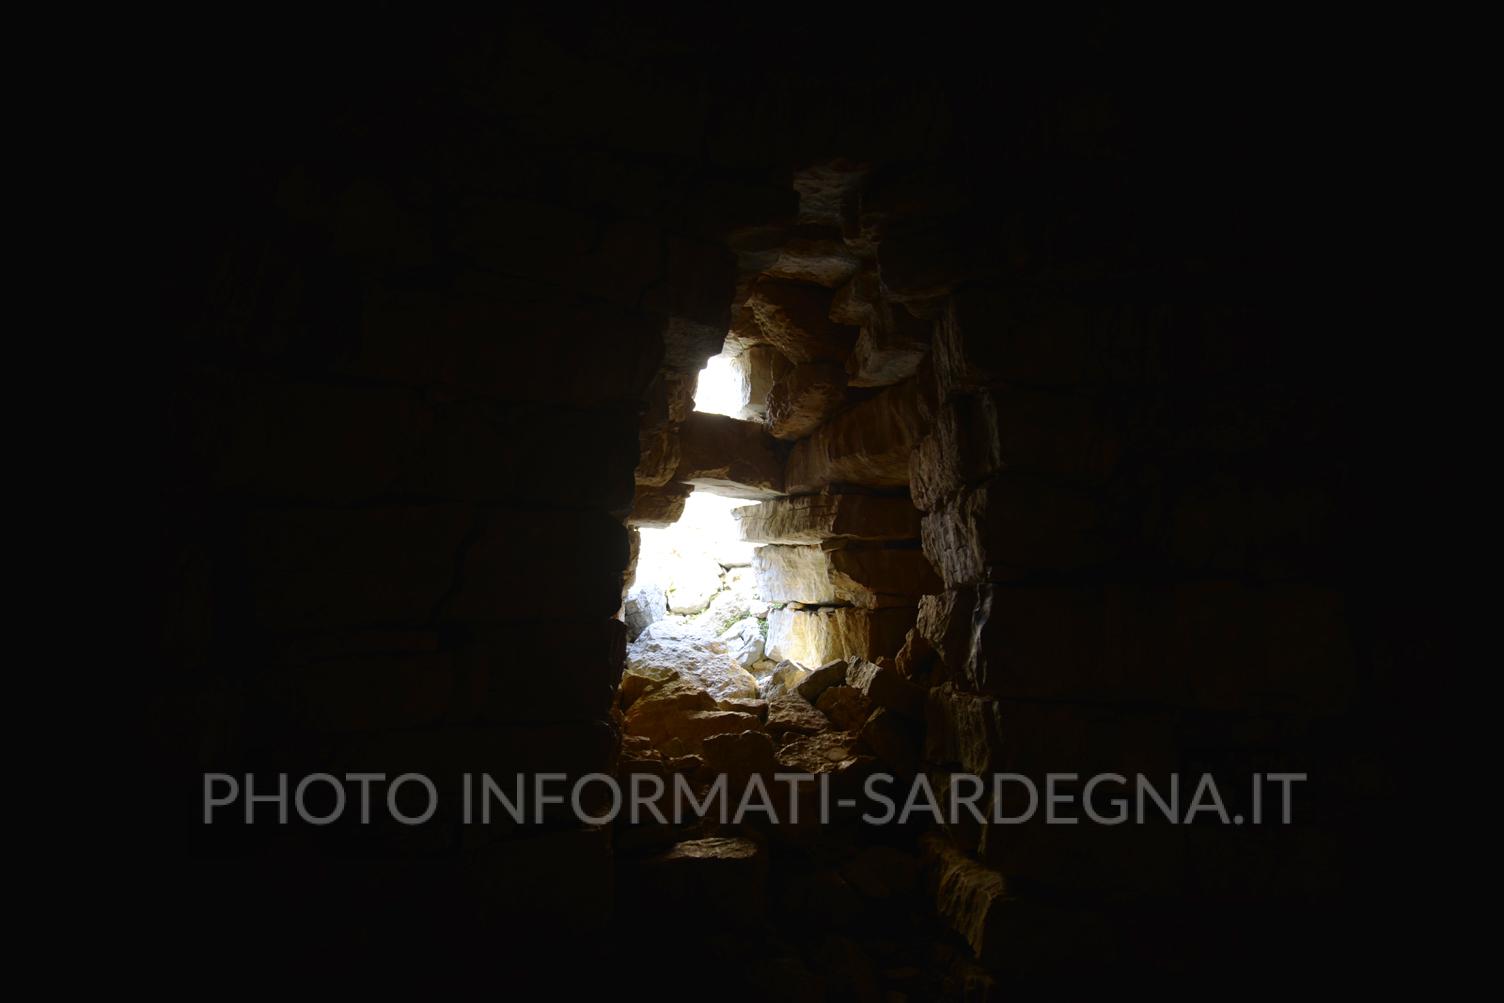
706	663
744	642
813	518
867	445
815	637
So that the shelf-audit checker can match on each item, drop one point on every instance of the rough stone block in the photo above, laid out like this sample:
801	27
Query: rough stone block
760	368
815	637
885	687
655	508
794	318
729	457
814	518
889	348
800	402
868	445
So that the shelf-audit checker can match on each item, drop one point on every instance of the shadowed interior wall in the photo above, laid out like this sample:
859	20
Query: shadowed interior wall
438	294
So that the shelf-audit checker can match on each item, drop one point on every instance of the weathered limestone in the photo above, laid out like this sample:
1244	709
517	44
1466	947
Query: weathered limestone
846	706
696	299
855	301
730	457
739	755
744	642
964	729
659	721
868	445
760	367
655	508
814	254
944	623
826	752
821	679
785	678
644	607
793	713
881	576
894	739
1013	523
889	348
658	455
867	577
818	517
794	574
803	398
815	637
793	318
973	900
669	402
885	687
707	664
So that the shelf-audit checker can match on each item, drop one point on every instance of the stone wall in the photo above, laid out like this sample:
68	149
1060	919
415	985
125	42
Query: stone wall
1047	425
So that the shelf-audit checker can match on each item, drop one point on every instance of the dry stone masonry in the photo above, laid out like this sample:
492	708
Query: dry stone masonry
1052	471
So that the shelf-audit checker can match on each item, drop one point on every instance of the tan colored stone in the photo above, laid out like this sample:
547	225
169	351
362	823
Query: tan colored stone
793	574
800	402
855	301
964	729
868	445
818	637
944	623
889	347
863	577
760	367
827	752
916	658
729	457
739	755
793	317
658	455
821	679
657	713
894	739
846	706
971	899
885	687
784	679
793	713
813	254
656	508
818	517
703	663
881	576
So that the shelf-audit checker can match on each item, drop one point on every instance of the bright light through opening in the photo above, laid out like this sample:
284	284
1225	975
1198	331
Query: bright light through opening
720	390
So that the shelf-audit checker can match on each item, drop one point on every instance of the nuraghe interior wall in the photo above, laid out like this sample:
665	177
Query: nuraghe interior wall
1075	467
